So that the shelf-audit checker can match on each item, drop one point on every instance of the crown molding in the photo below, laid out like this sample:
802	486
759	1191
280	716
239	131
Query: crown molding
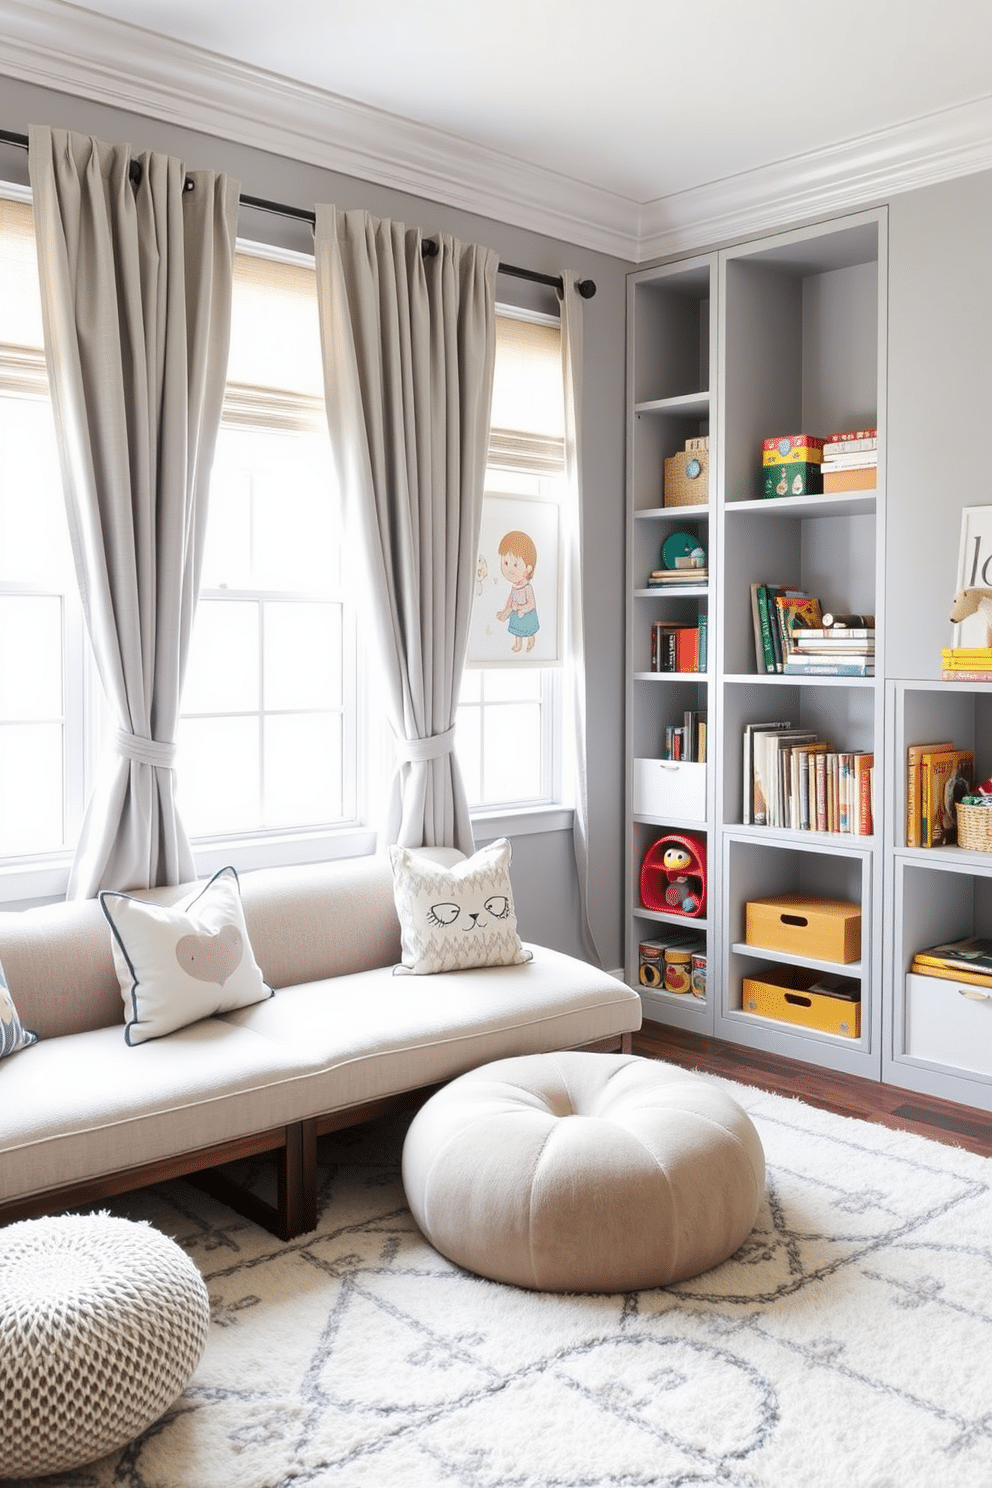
58	45
922	152
55	44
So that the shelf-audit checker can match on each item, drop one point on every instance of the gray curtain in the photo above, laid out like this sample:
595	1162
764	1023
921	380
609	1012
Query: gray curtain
409	345
136	298
571	365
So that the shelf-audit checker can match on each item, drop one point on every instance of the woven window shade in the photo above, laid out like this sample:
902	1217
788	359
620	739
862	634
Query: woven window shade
22	357
275	334
528	415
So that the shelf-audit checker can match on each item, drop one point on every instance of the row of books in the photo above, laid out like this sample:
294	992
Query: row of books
850	461
966	663
938	775
968	960
796	780
677	647
687	741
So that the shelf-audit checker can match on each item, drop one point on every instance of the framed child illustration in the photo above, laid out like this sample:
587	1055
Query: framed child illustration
516	612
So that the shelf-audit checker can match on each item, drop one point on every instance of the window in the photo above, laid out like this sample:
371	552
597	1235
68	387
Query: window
509	719
41	637
274	736
267	738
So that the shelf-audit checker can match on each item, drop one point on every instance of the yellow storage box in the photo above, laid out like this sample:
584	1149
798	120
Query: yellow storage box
791	994
823	929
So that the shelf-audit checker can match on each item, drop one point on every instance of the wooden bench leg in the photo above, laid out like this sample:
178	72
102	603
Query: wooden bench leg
297	1181
295	1210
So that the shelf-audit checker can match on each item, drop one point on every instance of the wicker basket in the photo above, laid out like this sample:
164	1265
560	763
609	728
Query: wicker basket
975	828
687	478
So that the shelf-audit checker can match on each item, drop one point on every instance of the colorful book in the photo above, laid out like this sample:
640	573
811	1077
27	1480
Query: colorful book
944	779
827	666
795	611
862	816
951	973
914	754
970	953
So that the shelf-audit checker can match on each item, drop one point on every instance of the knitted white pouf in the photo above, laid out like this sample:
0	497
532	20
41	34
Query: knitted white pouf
102	1322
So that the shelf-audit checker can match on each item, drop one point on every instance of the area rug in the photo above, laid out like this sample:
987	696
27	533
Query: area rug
848	1344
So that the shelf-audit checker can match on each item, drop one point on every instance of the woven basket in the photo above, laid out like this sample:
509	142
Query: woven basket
687	478
975	828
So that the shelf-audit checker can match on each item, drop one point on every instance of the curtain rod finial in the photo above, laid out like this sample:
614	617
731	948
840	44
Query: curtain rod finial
586	288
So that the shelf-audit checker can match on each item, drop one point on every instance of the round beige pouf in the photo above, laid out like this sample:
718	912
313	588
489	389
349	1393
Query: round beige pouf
102	1322
579	1172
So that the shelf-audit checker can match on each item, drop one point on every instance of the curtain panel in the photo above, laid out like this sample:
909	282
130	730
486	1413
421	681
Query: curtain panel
409	347
571	363
136	300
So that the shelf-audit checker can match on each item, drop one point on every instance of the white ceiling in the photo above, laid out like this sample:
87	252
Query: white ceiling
633	118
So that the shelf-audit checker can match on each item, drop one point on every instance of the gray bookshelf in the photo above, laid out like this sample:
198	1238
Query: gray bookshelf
791	336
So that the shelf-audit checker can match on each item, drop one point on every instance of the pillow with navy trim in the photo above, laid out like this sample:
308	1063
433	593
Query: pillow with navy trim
453	919
13	1035
179	963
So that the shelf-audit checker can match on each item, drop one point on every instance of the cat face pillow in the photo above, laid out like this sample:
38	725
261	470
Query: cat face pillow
453	919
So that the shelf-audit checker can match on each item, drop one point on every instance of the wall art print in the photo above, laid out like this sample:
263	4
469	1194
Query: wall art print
517	607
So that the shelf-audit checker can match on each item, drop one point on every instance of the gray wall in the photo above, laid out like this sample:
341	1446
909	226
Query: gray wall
940	406
543	868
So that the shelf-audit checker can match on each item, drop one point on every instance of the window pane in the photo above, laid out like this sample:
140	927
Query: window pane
512	752
302	655
222	674
468	746
34	534
31	786
504	684
302	770
217	782
30	657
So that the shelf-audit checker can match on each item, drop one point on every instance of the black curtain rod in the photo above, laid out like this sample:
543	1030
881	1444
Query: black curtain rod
585	287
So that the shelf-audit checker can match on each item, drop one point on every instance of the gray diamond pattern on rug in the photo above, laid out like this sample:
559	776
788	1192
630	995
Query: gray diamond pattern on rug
847	1344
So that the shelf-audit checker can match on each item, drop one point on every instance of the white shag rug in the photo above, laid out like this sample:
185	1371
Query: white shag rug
848	1344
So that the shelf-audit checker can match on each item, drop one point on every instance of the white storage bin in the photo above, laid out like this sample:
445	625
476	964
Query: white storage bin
670	789
949	1023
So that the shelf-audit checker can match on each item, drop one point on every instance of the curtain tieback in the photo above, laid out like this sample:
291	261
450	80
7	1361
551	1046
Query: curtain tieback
413	751
145	751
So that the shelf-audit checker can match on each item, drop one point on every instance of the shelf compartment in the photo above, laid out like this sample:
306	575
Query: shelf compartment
790	958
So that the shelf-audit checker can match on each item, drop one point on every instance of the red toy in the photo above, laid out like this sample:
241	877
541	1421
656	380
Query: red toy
673	875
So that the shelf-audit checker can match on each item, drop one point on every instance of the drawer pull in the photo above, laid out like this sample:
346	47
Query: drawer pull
973	996
798	1001
794	920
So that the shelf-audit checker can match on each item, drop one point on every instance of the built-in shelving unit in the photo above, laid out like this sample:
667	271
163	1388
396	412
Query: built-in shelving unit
790	332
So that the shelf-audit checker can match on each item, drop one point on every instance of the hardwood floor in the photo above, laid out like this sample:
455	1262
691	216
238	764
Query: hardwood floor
941	1121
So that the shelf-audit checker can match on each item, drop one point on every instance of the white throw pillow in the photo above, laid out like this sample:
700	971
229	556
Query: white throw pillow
452	919
179	963
13	1035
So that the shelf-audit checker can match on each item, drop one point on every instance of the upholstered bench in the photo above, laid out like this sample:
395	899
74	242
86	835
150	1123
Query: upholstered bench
583	1172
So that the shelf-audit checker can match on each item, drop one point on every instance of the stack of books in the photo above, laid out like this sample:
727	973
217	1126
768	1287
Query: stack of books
966	663
968	961
794	779
833	651
665	578
850	461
